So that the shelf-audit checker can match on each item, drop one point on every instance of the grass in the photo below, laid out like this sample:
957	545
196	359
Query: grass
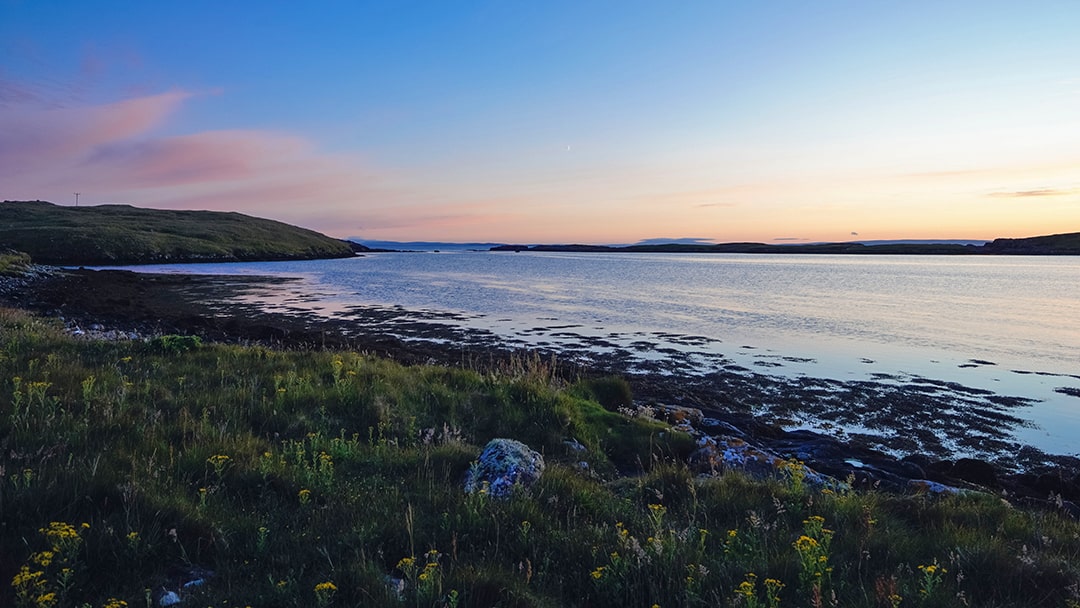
334	479
13	263
121	234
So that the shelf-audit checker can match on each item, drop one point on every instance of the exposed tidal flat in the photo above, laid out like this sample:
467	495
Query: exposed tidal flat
941	355
297	471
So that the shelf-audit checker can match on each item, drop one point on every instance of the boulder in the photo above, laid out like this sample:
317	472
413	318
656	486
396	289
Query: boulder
503	464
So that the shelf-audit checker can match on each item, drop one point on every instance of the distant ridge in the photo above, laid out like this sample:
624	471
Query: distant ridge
421	245
926	242
1058	244
121	234
1054	244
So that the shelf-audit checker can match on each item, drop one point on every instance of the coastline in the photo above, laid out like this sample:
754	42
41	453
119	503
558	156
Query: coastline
910	431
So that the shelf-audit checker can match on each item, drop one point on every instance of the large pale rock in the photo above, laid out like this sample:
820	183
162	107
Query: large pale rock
503	464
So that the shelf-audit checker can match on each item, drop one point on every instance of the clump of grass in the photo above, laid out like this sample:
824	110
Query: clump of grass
335	479
13	263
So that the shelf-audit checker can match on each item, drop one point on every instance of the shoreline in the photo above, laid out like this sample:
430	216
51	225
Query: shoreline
910	430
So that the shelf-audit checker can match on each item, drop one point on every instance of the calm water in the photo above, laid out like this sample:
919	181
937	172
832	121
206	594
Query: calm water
974	320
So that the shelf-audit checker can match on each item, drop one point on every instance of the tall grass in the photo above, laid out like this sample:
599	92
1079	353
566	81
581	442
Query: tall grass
334	478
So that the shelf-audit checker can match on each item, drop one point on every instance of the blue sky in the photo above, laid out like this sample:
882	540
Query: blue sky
545	122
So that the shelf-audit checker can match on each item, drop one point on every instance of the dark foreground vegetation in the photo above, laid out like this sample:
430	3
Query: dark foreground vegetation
121	234
262	477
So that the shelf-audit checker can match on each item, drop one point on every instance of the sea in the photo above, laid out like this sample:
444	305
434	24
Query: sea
1006	324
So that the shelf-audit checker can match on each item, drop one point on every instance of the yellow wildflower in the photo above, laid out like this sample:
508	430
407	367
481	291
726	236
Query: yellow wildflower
25	578
43	559
805	544
218	460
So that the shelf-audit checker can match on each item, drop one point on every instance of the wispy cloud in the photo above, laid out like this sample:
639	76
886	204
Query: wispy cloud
37	138
113	154
1039	192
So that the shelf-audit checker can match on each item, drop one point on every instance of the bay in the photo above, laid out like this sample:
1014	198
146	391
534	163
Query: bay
1010	325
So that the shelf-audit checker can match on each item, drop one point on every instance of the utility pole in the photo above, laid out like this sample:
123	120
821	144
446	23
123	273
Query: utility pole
76	199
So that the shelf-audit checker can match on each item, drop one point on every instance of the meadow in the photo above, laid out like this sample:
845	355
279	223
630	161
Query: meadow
262	477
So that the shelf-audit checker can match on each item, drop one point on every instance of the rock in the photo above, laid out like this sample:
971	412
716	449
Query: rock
925	486
976	471
574	445
732	453
910	469
707	459
679	415
719	427
503	464
396	586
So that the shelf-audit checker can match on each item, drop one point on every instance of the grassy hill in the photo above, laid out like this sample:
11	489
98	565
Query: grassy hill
1054	244
121	234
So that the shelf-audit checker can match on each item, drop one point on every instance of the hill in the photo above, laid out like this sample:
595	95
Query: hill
1054	244
122	234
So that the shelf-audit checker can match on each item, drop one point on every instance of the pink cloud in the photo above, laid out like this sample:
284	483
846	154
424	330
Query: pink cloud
202	157
36	139
110	153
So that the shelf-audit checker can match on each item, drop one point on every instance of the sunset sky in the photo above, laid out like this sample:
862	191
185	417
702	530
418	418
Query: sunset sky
594	122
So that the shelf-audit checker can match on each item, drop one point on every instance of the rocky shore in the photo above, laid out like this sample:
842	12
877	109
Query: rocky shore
926	436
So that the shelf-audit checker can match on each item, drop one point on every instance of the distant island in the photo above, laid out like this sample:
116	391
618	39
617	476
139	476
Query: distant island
1057	244
122	234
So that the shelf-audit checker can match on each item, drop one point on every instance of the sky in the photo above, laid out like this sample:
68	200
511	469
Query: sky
555	122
